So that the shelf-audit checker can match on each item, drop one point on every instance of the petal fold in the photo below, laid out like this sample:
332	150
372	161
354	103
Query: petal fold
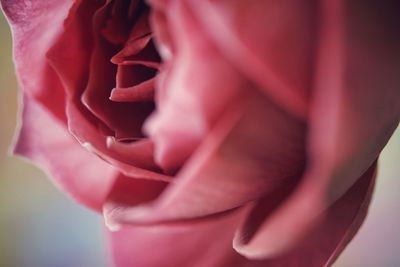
321	245
46	141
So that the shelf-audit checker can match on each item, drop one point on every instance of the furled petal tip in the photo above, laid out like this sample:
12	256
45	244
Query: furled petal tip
109	219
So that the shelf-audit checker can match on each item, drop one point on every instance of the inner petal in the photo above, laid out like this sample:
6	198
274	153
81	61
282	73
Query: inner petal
122	65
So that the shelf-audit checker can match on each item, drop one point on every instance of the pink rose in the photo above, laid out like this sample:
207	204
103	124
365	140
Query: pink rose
266	121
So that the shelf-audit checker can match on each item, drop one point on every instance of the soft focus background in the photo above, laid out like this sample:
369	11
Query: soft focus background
40	227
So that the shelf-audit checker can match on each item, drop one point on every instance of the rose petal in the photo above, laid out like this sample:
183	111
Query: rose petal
271	42
139	153
193	90
253	148
102	80
88	129
45	140
355	110
241	160
141	92
128	191
96	143
33	34
117	25
320	246
131	244
43	136
183	245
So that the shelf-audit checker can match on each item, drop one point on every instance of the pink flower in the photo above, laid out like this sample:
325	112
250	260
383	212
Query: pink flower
266	121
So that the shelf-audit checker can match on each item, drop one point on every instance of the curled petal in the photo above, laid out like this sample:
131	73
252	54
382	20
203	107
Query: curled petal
46	141
320	246
138	153
192	91
100	82
141	92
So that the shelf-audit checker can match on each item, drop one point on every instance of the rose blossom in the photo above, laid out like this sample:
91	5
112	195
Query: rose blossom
260	122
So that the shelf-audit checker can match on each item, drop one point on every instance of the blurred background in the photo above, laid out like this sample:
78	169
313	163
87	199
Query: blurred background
40	227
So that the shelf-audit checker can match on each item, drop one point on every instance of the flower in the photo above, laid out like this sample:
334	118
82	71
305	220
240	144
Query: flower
260	123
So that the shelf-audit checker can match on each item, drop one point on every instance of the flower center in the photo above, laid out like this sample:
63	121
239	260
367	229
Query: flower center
137	59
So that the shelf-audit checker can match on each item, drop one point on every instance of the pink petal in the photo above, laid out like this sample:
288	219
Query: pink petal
101	81
270	42
70	57
33	35
240	160
43	136
45	140
117	24
183	245
134	191
93	140
150	246
249	146
141	92
318	247
192	92
355	110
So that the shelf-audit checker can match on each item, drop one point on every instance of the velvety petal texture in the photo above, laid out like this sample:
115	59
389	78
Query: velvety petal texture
211	133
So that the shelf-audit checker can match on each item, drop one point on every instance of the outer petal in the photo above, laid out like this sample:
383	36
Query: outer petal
43	136
189	244
45	140
179	246
33	35
356	108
